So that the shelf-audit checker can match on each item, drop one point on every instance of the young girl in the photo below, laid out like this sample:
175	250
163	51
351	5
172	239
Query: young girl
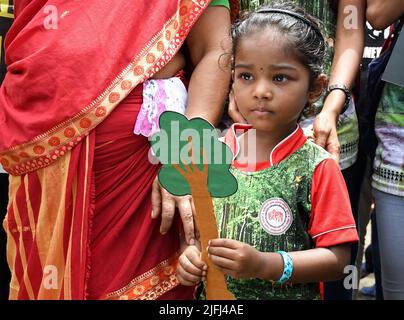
290	224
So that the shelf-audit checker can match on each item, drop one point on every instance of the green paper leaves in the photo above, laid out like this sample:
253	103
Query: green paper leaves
172	145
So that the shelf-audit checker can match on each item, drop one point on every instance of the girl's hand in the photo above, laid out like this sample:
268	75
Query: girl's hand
233	111
235	258
325	133
191	269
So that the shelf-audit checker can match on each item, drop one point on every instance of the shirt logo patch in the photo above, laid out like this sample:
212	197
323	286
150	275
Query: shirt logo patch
275	216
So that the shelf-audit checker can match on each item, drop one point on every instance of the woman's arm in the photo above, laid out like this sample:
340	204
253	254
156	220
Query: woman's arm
176	64
208	40
349	44
382	13
209	44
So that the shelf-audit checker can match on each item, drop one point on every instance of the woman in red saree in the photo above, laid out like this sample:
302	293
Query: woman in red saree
79	217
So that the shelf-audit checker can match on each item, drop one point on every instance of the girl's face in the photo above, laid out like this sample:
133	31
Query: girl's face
271	85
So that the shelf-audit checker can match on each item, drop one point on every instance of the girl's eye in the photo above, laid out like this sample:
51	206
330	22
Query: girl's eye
246	76
281	78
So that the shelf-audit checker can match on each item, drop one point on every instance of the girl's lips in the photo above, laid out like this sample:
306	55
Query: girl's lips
261	112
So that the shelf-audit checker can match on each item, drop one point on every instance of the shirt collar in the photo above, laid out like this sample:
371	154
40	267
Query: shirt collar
281	151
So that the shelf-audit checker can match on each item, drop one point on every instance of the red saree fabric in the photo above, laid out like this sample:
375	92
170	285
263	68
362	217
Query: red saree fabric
73	76
59	71
47	225
126	242
78	219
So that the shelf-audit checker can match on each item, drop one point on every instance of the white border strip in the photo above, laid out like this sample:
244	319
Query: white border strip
352	226
284	140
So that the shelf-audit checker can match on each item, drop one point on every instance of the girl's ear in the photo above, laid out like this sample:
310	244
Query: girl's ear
318	88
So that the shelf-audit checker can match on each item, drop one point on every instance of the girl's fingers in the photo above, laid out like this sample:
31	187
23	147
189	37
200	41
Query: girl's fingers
196	260
228	243
223	252
192	264
183	281
222	262
188	277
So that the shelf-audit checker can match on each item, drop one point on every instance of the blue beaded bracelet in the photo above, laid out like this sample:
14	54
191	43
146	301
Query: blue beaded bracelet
287	267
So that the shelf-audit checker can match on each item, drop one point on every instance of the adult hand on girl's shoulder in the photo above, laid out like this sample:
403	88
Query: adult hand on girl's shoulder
382	13
191	269
325	133
164	204
234	113
236	259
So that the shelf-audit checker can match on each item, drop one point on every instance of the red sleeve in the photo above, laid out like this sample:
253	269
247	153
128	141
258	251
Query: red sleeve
331	221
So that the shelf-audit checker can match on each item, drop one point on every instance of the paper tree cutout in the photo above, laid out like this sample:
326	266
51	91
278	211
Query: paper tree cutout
196	163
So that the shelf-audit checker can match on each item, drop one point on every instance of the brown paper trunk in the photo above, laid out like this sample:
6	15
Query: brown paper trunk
216	287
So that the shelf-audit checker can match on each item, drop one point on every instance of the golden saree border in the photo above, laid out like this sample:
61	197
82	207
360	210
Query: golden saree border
55	143
150	285
36	241
45	233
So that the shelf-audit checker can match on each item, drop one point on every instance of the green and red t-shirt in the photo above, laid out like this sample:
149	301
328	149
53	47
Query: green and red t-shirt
295	201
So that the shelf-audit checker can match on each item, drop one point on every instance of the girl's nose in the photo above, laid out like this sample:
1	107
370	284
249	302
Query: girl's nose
262	90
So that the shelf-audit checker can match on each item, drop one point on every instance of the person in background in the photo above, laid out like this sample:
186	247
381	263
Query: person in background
388	165
374	46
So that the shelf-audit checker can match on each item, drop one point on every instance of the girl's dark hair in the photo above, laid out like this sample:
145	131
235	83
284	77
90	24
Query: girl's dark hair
304	37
